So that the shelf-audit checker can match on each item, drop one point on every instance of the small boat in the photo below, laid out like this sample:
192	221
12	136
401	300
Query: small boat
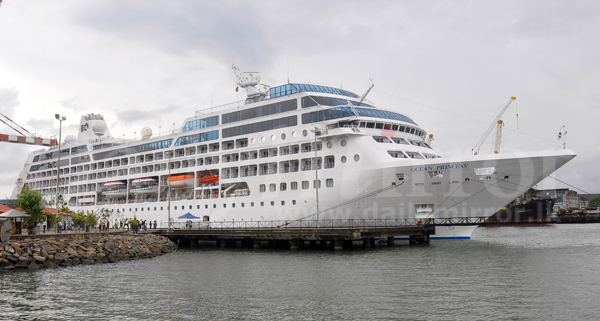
144	185
116	188
208	178
181	181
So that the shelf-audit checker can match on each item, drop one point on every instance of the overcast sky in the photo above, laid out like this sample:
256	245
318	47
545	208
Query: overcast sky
450	65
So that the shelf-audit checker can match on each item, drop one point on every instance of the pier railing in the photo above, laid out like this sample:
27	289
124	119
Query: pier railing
299	224
333	224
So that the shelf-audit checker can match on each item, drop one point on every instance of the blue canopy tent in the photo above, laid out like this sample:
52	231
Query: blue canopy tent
187	216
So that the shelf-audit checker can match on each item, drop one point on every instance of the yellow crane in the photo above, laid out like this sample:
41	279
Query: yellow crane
477	147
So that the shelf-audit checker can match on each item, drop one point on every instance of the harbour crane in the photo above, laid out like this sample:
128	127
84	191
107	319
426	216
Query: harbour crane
26	136
489	130
498	137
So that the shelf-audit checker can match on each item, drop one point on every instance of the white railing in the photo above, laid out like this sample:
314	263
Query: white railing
219	108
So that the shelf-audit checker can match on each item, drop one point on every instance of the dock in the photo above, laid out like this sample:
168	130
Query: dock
337	234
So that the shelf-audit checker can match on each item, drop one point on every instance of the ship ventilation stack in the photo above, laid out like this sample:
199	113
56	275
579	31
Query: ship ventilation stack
91	127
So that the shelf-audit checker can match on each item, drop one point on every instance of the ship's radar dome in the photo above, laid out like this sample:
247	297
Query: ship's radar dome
99	127
146	132
70	139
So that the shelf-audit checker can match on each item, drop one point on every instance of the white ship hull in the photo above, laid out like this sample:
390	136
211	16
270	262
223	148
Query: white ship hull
373	164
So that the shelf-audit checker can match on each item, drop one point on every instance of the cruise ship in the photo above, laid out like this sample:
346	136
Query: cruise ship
286	153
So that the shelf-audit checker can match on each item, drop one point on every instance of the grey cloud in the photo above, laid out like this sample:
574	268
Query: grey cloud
42	127
227	31
553	19
9	99
132	116
12	159
74	103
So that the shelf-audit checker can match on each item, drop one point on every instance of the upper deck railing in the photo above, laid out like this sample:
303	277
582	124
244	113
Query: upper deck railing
213	110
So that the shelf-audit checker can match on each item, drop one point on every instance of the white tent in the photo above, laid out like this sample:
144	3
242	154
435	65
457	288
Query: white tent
13	213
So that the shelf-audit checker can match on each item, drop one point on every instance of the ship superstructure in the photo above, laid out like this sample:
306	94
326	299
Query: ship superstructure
267	157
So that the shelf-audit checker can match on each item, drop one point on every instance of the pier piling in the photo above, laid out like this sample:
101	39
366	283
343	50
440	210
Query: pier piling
390	241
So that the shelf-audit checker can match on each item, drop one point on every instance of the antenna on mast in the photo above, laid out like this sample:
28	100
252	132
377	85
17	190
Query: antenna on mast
367	92
248	81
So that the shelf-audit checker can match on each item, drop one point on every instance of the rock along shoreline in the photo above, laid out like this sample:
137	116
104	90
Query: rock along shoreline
39	253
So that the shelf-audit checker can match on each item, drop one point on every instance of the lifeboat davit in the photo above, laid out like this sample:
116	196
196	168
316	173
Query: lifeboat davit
181	181
144	185
208	178
117	188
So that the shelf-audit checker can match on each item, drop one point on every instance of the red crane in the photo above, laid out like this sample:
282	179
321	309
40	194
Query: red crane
26	137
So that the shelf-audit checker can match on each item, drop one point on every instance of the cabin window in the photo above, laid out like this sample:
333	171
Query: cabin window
282	202
294	186
316	184
304	184
329	182
282	187
262	188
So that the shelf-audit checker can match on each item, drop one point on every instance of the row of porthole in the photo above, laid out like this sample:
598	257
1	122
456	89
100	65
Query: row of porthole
215	206
294	134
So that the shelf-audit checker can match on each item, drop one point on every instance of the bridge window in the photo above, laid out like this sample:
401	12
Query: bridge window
261	111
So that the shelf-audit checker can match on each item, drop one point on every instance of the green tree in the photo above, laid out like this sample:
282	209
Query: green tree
78	218
30	201
91	219
594	202
52	218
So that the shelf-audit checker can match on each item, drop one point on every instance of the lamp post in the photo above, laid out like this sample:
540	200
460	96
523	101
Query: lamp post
316	174
60	119
170	154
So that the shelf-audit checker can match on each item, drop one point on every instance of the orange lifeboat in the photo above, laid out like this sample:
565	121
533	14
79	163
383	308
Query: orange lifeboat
208	178
181	181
